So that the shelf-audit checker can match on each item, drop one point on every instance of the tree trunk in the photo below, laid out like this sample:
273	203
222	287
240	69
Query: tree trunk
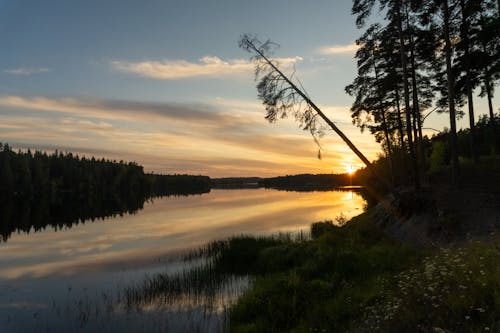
487	85
468	86
472	125
320	113
400	123
389	145
416	107
402	151
402	51
451	96
489	95
493	124
384	121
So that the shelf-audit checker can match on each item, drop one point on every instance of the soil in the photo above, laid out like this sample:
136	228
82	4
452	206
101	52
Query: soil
441	214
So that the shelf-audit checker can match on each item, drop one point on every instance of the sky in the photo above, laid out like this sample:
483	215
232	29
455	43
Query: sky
163	83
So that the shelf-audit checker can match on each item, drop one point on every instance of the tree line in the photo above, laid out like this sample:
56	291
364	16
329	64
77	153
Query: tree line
438	155
307	182
426	56
59	189
33	175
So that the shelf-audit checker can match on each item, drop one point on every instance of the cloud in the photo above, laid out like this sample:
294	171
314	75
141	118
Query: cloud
116	110
23	71
339	49
173	138
87	124
208	66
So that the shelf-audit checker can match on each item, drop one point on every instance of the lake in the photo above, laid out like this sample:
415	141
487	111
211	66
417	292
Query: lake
74	279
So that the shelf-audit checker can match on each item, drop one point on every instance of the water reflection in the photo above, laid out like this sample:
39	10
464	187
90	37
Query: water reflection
167	225
60	275
24	216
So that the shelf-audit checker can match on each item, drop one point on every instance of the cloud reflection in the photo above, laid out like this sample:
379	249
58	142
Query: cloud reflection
167	226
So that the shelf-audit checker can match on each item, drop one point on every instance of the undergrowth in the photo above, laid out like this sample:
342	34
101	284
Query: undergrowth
350	278
356	279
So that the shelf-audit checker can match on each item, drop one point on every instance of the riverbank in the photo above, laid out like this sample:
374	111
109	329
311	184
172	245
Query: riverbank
442	214
356	278
425	262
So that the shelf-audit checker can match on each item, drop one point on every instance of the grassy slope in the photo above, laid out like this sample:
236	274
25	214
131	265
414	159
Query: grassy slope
354	278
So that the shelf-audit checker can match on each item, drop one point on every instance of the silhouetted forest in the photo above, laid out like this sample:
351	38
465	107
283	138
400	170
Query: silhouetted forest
417	57
60	189
437	154
307	182
236	182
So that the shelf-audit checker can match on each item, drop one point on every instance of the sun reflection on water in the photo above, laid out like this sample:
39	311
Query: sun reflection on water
168	225
80	271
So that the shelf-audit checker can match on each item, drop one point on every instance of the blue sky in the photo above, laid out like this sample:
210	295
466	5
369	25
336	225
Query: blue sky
164	83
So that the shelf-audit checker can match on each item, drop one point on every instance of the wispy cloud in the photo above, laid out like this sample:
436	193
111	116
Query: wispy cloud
87	124
24	71
339	49
167	137
113	109
208	66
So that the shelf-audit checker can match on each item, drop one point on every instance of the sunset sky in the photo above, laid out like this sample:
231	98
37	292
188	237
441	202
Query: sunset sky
163	83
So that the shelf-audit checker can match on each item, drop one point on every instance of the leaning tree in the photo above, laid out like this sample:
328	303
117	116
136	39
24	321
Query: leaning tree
282	97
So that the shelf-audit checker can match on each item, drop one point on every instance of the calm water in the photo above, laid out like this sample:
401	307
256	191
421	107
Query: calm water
73	280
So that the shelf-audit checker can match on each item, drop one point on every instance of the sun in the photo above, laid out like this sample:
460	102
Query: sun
349	169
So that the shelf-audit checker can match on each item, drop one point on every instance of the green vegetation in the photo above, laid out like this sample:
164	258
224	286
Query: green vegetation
350	278
457	289
424	56
438	158
356	279
486	143
320	284
414	58
34	175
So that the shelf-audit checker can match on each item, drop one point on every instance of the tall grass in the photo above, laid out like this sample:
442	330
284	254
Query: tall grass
201	286
349	278
356	279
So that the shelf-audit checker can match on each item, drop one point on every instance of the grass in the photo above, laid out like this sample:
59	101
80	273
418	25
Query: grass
350	278
322	284
485	173
355	279
457	289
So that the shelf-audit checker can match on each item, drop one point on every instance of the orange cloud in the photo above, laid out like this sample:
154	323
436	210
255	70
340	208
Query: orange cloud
180	138
208	66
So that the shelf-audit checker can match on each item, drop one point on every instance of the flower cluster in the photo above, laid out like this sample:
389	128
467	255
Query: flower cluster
457	289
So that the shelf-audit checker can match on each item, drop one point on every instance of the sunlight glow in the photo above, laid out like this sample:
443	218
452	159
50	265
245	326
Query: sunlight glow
350	169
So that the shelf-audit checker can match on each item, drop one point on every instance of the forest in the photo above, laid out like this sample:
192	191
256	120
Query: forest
307	182
425	259
413	58
34	175
61	189
425	57
437	157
